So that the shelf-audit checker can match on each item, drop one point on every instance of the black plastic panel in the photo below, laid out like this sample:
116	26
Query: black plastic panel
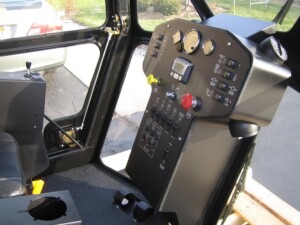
22	102
158	144
214	80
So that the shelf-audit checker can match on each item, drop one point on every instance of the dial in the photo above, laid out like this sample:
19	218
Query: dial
208	47
177	36
191	41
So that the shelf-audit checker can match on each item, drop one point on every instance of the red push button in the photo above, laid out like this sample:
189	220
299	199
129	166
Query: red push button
187	101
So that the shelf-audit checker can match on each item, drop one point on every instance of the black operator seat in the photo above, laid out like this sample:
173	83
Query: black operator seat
23	153
12	182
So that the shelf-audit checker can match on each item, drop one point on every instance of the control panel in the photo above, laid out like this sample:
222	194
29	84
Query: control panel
195	71
159	140
201	68
205	82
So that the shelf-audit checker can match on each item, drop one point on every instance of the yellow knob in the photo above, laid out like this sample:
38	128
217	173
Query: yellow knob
152	80
37	187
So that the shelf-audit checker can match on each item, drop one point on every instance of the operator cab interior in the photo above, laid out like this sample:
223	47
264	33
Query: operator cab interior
214	84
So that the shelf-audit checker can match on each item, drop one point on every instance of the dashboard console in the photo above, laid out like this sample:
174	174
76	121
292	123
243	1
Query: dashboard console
204	79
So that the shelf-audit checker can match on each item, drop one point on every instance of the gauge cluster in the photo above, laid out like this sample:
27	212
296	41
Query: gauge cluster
202	66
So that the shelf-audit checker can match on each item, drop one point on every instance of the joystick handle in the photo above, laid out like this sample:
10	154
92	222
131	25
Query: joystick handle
28	73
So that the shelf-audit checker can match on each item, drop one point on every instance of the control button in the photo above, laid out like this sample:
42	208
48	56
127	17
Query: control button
208	47
167	152
188	101
160	37
179	47
175	129
151	79
223	86
153	110
144	133
169	125
157	45
148	136
176	76
218	97
163	120
158	116
228	75
154	54
153	140
232	63
171	95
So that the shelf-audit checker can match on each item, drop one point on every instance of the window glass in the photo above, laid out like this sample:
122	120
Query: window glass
260	9
128	114
152	12
34	17
67	71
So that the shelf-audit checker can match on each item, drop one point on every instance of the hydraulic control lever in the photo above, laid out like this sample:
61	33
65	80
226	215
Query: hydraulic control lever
28	73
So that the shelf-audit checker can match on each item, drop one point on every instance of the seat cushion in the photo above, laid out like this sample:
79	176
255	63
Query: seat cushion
11	178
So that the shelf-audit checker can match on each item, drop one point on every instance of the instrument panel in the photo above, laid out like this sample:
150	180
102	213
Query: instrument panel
201	78
203	67
195	71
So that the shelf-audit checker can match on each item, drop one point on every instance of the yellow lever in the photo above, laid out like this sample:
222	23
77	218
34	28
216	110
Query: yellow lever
37	187
151	79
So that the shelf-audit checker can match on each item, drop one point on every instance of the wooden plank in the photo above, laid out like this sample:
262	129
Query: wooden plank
283	211
252	212
233	219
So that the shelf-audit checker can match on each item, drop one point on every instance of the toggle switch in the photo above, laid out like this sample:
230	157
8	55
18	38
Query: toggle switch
171	95
151	79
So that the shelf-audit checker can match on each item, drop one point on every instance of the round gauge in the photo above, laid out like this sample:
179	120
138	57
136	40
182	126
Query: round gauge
177	36
208	47
191	41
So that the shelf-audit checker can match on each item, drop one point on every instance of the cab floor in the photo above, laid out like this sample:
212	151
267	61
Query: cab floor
93	191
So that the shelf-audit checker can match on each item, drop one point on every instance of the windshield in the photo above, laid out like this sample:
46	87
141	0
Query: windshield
259	9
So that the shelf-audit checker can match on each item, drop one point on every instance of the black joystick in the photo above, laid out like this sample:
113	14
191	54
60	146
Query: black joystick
28	73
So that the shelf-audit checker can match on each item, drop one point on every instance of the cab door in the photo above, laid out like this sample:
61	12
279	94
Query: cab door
78	48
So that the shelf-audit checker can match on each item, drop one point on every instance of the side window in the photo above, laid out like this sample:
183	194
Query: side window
152	12
128	114
35	17
68	71
259	9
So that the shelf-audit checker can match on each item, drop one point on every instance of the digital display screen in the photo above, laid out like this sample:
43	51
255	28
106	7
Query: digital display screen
181	70
179	67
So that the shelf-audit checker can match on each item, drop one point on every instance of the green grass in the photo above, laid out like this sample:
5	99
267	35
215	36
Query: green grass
151	24
92	13
242	8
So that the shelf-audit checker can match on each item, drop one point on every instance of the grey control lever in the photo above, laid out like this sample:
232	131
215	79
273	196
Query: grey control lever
28	73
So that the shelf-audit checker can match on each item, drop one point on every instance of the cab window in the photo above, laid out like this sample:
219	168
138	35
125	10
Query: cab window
152	13
68	70
35	17
259	9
